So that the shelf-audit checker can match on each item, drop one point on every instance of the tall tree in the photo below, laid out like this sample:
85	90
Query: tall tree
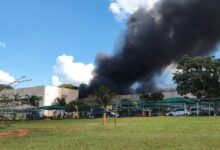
198	76
102	95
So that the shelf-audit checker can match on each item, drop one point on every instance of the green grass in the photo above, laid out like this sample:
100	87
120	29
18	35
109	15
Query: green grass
156	133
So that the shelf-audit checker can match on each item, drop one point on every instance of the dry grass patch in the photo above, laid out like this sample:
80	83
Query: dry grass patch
15	133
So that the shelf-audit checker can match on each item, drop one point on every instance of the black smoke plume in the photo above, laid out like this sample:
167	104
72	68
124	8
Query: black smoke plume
156	38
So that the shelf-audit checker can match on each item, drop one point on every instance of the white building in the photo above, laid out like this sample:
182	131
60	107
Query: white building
48	94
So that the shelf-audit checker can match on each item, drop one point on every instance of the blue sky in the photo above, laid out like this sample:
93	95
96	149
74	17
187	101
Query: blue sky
59	39
36	32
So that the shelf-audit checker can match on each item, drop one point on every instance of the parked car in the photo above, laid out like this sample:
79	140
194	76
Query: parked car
201	112
194	111
98	112
34	114
178	112
206	112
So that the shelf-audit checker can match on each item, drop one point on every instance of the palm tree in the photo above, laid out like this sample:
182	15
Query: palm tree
102	95
34	100
60	101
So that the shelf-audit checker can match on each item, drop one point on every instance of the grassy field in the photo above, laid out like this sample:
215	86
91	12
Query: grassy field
169	133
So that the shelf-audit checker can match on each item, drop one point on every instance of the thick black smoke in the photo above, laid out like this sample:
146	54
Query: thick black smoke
156	38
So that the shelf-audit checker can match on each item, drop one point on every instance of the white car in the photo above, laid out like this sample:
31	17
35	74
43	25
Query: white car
178	112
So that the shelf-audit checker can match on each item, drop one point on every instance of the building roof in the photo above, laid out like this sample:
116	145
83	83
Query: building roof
179	100
53	107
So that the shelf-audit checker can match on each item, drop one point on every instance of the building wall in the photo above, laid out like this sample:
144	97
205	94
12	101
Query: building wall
38	90
175	94
136	97
70	94
171	94
51	93
47	93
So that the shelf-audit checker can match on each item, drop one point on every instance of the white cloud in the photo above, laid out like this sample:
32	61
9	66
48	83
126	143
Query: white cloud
122	8
56	81
6	78
2	44
67	71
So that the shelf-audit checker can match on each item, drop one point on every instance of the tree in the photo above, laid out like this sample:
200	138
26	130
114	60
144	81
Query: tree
144	97
198	76
60	101
33	100
4	102
69	86
78	104
102	95
3	87
156	96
